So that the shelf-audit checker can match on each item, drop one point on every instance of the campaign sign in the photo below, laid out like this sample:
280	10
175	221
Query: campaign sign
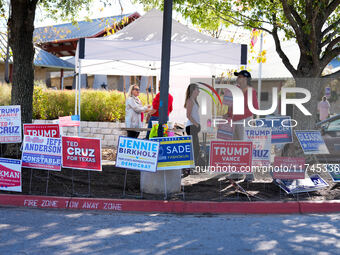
82	153
289	168
312	142
10	174
175	152
334	171
137	154
45	130
231	156
312	183
10	124
280	126
41	153
261	139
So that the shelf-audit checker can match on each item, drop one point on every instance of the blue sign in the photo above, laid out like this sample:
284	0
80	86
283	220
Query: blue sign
137	154
312	142
334	171
175	152
308	184
41	153
281	128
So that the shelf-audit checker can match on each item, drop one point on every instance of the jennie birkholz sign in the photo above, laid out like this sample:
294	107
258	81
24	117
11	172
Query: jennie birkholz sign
175	152
137	154
312	142
45	130
10	124
10	174
41	153
231	156
82	153
261	139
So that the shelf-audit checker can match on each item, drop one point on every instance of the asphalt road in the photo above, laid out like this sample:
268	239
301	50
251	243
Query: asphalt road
36	231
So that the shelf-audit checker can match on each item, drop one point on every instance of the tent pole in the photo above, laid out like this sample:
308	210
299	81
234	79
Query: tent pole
79	94
76	94
81	55
165	66
259	85
124	87
147	90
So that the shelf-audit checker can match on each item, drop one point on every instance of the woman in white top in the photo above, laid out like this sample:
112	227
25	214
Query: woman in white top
133	111
193	125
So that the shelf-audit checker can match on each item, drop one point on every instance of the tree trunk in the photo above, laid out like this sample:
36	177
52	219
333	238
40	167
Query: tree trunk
305	122
21	25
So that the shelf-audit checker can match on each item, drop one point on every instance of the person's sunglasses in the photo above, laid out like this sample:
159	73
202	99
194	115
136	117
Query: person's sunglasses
136	89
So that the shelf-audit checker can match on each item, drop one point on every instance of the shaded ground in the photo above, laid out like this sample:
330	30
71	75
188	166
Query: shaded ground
32	232
205	187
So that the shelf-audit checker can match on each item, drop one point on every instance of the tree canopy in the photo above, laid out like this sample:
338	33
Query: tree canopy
315	25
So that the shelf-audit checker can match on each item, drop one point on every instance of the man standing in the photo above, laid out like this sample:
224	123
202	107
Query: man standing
154	114
244	83
323	108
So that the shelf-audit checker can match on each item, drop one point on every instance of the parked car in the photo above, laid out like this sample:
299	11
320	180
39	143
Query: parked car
330	131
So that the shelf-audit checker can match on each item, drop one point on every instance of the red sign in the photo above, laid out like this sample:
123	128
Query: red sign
231	156
289	168
44	130
82	153
10	174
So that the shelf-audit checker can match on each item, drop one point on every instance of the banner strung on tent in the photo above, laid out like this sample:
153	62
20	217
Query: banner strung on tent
230	156
41	153
312	183
10	124
289	168
137	154
334	171
312	142
10	174
175	152
281	128
261	139
44	130
82	153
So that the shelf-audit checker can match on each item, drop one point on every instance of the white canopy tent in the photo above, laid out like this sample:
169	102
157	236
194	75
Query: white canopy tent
136	50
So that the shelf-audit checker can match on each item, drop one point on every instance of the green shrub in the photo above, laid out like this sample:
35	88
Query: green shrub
5	94
96	105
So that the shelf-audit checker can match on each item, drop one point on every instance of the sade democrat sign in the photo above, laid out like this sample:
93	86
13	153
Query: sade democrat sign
175	152
82	153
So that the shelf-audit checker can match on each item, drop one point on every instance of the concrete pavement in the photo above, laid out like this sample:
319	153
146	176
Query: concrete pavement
36	231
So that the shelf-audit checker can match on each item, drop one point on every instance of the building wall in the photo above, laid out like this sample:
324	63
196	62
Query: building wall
40	73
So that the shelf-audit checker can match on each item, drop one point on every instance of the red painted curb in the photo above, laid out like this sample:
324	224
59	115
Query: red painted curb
125	205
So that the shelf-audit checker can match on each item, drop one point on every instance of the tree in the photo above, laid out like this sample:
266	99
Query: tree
315	25
21	27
